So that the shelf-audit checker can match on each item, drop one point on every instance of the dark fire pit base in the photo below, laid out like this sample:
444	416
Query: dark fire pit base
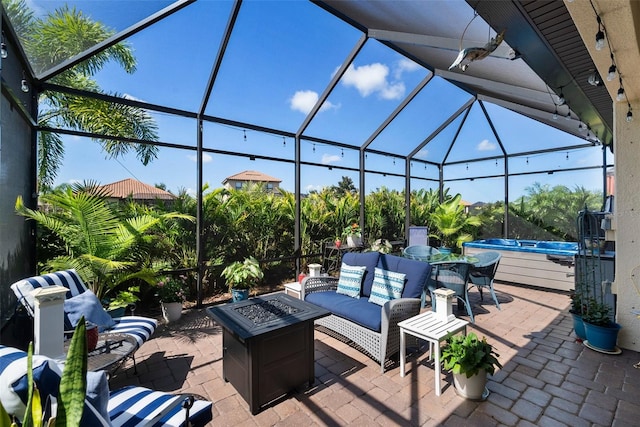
265	361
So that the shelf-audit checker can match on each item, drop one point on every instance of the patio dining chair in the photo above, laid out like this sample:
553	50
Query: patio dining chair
484	271
79	300
419	252
453	275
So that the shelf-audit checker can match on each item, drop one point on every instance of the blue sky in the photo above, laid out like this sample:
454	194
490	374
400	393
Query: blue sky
281	57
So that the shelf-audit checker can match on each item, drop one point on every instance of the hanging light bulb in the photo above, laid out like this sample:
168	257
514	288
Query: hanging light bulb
561	100
594	79
629	114
314	148
284	142
567	156
580	127
599	35
3	48
342	152
620	95
612	70
555	114
245	135
24	84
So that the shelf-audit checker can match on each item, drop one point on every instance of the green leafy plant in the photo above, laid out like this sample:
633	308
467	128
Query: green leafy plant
382	245
171	289
243	275
451	221
352	230
124	298
597	313
466	354
72	389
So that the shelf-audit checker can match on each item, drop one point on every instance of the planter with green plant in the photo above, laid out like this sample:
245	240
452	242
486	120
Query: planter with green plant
600	329
116	306
172	293
353	235
242	276
470	359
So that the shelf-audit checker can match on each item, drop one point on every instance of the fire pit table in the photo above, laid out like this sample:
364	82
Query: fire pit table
267	344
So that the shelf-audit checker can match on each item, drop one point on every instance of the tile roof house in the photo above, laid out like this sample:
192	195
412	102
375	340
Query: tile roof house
244	178
136	190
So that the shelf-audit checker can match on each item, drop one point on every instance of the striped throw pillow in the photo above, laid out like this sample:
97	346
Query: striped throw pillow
350	280
387	285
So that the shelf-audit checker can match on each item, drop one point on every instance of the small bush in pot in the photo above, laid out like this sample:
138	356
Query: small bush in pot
243	275
466	354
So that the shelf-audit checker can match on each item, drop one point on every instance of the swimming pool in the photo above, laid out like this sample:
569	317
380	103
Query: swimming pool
545	264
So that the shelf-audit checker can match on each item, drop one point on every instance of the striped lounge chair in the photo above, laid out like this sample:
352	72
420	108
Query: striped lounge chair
140	328
129	406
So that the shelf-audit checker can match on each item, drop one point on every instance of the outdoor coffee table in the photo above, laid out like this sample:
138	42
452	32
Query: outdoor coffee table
110	352
267	345
428	327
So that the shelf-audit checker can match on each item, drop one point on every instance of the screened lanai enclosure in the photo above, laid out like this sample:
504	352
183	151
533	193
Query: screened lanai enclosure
401	95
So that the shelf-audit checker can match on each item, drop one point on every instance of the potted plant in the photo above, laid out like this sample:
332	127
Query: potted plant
470	359
116	306
600	330
576	311
353	235
242	276
171	292
382	245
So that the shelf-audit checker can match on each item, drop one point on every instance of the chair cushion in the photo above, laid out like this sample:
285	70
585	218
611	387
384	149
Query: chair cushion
416	273
140	328
67	278
387	285
132	406
369	260
47	376
87	304
359	311
350	280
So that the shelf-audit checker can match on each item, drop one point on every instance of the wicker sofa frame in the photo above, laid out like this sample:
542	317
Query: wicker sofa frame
380	346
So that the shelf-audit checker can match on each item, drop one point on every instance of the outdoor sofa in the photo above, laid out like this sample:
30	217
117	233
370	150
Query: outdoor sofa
359	310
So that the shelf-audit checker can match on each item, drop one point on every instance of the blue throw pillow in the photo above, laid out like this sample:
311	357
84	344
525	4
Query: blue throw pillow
87	304
350	280
387	285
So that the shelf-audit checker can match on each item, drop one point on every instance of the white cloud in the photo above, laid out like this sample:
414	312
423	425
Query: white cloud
206	158
372	78
404	65
330	158
304	100
422	154
486	145
309	188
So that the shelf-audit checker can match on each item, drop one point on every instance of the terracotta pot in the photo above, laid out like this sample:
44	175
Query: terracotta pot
92	337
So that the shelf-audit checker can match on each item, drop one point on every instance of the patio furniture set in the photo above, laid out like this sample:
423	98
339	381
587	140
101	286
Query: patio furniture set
118	340
375	303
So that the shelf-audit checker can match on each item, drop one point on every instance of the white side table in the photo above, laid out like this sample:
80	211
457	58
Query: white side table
293	289
428	327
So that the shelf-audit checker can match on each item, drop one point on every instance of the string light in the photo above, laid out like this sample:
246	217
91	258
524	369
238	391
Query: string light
244	131
555	113
629	114
314	148
24	85
612	70
599	34
620	96
284	142
3	48
342	152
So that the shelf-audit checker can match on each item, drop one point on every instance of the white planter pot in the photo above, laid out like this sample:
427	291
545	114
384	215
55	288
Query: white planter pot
353	241
472	388
171	311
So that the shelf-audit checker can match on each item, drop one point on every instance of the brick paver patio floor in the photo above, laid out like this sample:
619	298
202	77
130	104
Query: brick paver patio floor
548	378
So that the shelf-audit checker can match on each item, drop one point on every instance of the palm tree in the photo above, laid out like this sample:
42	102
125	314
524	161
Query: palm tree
450	221
104	246
51	40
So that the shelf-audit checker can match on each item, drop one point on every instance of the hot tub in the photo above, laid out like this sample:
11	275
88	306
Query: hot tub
545	264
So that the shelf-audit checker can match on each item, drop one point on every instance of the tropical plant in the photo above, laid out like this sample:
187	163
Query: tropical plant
450	222
243	274
466	354
124	298
105	247
54	38
172	289
352	230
